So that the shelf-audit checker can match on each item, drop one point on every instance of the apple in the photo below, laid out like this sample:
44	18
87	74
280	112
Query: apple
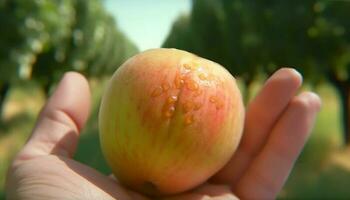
169	120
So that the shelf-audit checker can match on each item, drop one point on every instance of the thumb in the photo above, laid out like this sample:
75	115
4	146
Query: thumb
61	119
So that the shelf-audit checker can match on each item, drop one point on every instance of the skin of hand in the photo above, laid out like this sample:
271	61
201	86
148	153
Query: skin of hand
278	123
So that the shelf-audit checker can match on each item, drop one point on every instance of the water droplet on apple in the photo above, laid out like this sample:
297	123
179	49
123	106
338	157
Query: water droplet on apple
178	81
172	99
192	85
203	76
188	106
165	86
198	92
189	119
187	66
197	106
190	66
213	99
157	91
169	111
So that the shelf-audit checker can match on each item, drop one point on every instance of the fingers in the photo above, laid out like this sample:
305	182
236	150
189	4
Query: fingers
262	114
216	191
269	170
61	119
206	191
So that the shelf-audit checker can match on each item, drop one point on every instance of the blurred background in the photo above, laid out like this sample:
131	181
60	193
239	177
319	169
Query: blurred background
42	39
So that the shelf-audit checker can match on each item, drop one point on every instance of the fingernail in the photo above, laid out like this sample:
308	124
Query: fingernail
64	77
290	75
296	73
291	72
61	83
317	101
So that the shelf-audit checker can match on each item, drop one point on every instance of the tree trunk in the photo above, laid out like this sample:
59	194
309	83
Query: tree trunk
345	109
47	87
4	88
247	93
343	88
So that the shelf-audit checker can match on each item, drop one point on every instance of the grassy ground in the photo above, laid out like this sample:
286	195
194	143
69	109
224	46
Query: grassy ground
18	121
323	170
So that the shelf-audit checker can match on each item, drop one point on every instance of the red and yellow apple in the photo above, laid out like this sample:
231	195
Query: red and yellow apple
169	120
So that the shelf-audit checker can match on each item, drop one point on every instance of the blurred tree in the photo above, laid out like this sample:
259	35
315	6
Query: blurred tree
223	31
331	42
314	37
252	36
180	36
41	39
95	47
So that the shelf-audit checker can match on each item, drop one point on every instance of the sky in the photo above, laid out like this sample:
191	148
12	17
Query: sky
147	22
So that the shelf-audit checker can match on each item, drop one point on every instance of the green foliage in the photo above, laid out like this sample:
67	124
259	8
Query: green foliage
310	35
30	28
45	38
249	37
97	47
180	36
223	31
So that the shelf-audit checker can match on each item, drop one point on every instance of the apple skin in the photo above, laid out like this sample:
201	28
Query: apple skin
169	120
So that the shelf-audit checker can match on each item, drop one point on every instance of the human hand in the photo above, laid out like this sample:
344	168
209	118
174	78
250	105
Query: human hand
44	168
277	125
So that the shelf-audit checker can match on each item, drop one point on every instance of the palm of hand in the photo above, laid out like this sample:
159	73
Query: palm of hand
59	177
277	126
